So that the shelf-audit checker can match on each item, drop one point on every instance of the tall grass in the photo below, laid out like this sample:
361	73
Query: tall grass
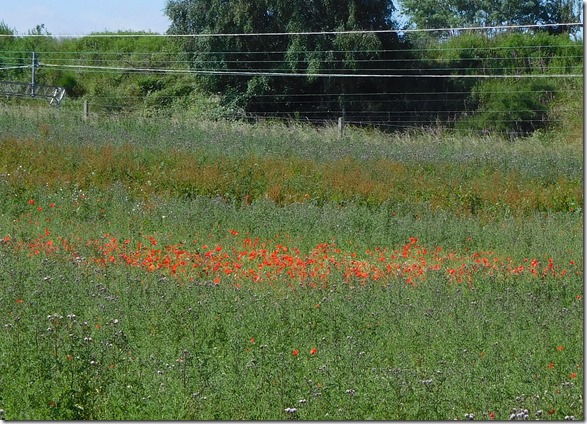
159	270
544	154
474	186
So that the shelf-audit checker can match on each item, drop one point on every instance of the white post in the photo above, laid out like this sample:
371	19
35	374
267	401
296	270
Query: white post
33	69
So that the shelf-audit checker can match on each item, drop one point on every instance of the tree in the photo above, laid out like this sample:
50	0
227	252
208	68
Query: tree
237	66
561	11
487	13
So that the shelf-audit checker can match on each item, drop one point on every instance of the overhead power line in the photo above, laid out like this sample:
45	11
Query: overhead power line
280	52
5	68
297	74
265	34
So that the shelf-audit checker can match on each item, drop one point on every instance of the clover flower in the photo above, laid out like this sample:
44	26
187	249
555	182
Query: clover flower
519	414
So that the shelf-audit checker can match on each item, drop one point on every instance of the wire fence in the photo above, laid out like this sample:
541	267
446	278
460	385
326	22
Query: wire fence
438	83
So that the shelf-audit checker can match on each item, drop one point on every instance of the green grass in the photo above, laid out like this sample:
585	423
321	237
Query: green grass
85	338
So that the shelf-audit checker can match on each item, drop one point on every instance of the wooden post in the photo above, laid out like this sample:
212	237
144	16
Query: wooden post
86	110
33	69
340	127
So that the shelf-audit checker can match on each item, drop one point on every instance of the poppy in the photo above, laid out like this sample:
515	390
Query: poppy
295	352
313	351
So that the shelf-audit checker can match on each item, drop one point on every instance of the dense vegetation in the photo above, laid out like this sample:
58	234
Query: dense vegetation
236	77
169	259
199	270
488	13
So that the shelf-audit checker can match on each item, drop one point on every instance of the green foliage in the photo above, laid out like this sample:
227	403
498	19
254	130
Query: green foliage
299	53
519	104
488	13
70	82
511	107
469	105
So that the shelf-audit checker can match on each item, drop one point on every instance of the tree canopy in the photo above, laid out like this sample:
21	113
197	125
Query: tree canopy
286	54
431	14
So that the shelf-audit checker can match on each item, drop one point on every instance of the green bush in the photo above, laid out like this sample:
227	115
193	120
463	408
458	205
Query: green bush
73	87
515	107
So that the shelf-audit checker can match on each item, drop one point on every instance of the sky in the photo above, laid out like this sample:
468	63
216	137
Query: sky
84	16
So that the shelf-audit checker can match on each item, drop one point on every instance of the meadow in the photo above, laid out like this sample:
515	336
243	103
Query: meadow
167	269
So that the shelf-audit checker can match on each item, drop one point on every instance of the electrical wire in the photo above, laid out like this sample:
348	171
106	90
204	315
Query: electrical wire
364	97
300	33
297	74
5	68
280	52
302	102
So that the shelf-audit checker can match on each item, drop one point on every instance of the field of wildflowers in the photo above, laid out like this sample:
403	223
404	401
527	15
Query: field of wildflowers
233	272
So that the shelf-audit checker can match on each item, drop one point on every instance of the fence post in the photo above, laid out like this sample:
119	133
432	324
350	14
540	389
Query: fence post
86	110
340	127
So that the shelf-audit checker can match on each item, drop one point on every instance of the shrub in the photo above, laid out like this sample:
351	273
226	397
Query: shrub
515	107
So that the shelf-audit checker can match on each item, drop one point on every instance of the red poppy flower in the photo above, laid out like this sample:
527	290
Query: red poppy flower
295	352
313	351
